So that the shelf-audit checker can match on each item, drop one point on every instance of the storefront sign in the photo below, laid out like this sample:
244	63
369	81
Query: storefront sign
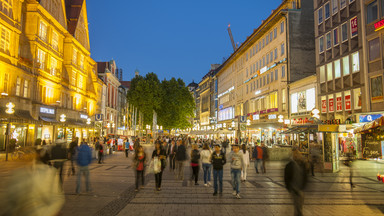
342	128
287	121
354	27
83	116
369	118
226	92
272	117
263	111
272	110
371	145
331	105
256	117
379	25
339	104
47	110
347	102
333	122
99	117
328	128
323	106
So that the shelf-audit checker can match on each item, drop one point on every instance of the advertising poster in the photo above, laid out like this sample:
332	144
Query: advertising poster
323	106
302	102
347	102
354	30
377	88
339	104
331	105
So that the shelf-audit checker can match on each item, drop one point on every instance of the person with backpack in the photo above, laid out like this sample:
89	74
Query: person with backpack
257	156
295	178
139	165
218	160
84	158
195	158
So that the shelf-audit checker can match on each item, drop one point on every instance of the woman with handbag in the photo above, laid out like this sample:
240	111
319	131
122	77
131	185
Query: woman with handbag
139	165
158	157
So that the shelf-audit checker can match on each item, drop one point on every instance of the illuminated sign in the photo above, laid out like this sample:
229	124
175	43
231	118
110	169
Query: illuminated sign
379	25
354	29
272	116
226	92
47	110
10	107
369	118
62	117
256	117
263	70
83	116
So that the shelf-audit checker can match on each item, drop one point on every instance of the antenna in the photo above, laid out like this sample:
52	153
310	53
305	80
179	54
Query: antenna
231	37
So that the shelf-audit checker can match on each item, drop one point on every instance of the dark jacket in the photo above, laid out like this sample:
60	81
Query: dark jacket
84	155
162	153
181	153
195	156
295	176
58	152
265	153
218	161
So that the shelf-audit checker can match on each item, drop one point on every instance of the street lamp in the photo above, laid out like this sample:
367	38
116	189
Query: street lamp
10	110
248	124
233	124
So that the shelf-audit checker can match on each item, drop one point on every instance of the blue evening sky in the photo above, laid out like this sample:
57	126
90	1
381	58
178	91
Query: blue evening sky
173	38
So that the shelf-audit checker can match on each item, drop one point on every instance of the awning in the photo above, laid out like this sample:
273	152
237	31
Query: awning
47	119
301	129
371	125
75	122
21	116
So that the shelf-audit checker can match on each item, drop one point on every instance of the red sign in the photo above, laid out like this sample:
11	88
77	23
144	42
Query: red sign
339	106
331	105
353	26
347	102
379	25
324	106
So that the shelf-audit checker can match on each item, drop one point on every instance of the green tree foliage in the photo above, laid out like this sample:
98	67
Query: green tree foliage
170	99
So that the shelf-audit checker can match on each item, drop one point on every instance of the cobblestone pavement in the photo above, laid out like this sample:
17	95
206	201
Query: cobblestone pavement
263	194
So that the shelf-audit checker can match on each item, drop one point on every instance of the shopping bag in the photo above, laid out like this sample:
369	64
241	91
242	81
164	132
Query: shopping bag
156	165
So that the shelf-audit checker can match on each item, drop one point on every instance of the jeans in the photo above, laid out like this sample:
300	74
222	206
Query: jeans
235	175
158	177
257	162
207	172
83	170
218	175
180	170
195	171
139	174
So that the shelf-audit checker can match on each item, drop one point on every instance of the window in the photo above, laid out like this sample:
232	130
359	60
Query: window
322	74
257	83
80	83
329	72
5	84
272	76
321	44
263	42
73	78
74	57
260	45
43	31
5	39
354	30
282	27
329	42
267	58
267	40
344	32
335	36
264	81
377	88
257	48
335	6
82	61
320	15
6	7
345	65
275	33
270	37
246	57
283	98
337	69
357	98
271	57
275	53
282	49
26	86
18	86
257	65
276	74
41	58
263	61
351	1
53	66
55	40
267	78
355	62
327	11
247	89
374	49
246	72
343	4
372	12
283	71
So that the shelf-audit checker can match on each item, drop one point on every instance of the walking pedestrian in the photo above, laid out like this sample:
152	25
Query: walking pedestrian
265	156
84	158
237	164
245	153
126	148
171	154
101	152
180	158
58	157
206	154
71	153
159	155
257	156
139	165
225	145
218	160
295	179
195	158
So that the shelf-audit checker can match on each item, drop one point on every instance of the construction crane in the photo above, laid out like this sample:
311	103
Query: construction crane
231	37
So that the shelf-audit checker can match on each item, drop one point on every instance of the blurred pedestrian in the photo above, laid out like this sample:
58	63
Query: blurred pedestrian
84	158
195	159
257	156
265	156
225	144
218	160
237	163
139	165
72	153
295	178
101	151
159	156
58	157
349	163
206	154
126	148
180	158
245	153
171	154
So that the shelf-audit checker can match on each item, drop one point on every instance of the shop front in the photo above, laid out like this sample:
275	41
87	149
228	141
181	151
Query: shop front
46	130
372	139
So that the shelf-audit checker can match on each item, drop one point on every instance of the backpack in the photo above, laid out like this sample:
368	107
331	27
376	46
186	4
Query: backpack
195	156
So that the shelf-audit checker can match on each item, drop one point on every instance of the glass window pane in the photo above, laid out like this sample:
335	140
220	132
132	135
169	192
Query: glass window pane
322	74
326	10
345	65
374	49
355	62
329	42
329	72
372	12
344	32
320	15
337	68
335	6
321	44
335	36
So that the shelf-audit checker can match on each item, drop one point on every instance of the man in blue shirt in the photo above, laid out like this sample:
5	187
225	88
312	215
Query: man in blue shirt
84	158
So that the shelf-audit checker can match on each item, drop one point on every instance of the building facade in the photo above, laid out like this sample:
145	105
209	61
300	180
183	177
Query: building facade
254	80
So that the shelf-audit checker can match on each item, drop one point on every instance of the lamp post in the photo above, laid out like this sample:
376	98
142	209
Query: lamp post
63	119
10	110
248	124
